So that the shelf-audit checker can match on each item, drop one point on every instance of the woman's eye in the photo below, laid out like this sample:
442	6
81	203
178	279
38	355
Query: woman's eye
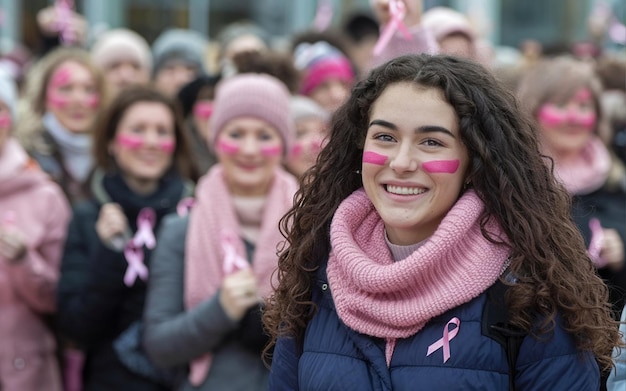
234	134
432	143
384	137
265	137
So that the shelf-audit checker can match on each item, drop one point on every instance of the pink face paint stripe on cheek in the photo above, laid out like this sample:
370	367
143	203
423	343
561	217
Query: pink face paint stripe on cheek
441	166
271	151
129	142
93	101
297	150
60	77
5	121
227	148
56	100
168	146
374	158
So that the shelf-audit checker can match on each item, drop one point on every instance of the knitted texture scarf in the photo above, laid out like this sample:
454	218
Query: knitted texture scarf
212	220
74	147
588	171
376	296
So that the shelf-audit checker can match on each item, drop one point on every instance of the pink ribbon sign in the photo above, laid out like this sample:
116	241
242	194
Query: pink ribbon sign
444	342
136	268
397	10
145	223
184	206
595	244
233	262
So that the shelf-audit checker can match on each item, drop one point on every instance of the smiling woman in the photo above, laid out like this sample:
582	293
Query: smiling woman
430	192
214	268
142	172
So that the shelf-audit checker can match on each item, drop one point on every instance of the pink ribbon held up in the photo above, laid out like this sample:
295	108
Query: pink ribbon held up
595	244
136	268
63	10
444	342
184	206
233	262
397	10
323	15
145	224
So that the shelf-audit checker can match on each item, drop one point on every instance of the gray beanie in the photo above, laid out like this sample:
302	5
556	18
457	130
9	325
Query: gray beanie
179	44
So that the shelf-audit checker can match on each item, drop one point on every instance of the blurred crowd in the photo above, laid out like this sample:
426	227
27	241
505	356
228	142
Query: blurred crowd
142	184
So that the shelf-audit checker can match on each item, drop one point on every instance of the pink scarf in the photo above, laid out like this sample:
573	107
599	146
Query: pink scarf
588	172
379	297
212	219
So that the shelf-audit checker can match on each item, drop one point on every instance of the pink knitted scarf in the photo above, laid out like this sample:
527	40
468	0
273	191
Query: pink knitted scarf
379	297
212	219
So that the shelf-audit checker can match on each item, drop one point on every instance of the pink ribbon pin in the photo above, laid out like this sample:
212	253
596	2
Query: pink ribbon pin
136	267
232	261
184	206
397	9
444	342
595	244
145	223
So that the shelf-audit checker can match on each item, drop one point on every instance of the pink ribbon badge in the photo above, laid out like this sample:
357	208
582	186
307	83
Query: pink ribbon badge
145	223
444	342
397	9
184	206
136	268
595	244
232	261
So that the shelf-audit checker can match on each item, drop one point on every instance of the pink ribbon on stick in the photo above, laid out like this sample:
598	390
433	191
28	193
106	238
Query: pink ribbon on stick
595	244
397	9
444	342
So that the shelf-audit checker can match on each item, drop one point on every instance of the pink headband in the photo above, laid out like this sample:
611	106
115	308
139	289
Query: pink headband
334	67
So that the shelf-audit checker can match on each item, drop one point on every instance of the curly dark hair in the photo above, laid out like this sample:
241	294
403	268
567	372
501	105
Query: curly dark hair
515	182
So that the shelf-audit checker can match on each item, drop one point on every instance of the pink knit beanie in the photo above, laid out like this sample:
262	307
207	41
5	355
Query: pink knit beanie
319	62
253	95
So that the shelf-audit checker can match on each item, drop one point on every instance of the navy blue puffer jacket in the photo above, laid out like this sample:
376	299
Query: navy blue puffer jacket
335	357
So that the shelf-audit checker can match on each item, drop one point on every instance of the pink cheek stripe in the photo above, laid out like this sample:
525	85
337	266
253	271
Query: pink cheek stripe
441	166
550	117
93	101
227	148
297	150
203	110
5	121
167	146
60	77
586	120
374	158
129	142
56	100
272	151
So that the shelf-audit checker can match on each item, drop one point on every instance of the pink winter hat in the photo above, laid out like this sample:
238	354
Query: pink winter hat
119	45
319	62
444	21
252	95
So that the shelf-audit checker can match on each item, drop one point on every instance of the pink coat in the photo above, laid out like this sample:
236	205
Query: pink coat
38	208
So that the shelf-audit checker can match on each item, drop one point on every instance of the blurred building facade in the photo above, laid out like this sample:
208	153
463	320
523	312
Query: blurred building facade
503	22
